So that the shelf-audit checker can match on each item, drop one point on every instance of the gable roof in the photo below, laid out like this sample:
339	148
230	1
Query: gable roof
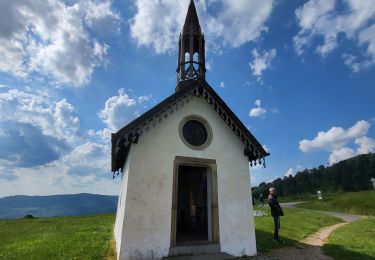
122	140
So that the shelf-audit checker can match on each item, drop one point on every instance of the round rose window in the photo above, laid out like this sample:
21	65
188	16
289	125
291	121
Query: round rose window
194	133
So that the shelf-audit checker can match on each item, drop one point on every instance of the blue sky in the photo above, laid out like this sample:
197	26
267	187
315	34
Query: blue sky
299	74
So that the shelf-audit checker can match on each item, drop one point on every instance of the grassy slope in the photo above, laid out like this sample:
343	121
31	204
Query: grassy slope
361	203
353	241
88	237
295	226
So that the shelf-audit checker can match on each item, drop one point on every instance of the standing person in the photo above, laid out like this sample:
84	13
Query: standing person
261	200
276	212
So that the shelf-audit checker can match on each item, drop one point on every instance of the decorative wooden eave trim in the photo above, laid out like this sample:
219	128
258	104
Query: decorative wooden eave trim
122	140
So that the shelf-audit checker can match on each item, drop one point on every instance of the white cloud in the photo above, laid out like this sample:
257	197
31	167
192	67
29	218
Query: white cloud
341	154
54	118
85	169
319	18
257	111
101	17
144	99
43	150
222	84
261	62
336	140
119	110
51	38
157	24
365	145
290	172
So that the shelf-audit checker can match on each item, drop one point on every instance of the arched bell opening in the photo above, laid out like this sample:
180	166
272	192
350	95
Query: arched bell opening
187	62
196	61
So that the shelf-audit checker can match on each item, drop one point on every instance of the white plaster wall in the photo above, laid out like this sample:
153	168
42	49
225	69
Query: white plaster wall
147	218
121	206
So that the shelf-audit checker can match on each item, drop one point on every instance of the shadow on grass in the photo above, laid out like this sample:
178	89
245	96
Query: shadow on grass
265	241
340	252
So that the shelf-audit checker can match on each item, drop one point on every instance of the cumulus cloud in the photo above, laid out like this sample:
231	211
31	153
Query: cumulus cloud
53	118
157	24
84	169
319	18
119	110
261	62
44	151
257	111
35	130
222	84
341	154
24	145
336	139
51	38
365	145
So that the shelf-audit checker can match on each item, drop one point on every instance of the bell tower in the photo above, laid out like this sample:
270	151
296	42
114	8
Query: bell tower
191	51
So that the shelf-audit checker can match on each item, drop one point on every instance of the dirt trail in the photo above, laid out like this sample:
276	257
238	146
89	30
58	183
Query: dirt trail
310	248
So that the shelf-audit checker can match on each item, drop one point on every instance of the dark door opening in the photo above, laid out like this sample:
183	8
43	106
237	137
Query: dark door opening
192	214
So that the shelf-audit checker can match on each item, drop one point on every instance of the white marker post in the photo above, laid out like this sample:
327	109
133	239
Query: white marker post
373	182
320	196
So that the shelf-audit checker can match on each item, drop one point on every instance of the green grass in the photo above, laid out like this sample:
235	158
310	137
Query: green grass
353	241
91	237
361	203
87	237
295	226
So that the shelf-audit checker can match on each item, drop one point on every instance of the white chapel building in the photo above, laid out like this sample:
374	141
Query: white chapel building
184	166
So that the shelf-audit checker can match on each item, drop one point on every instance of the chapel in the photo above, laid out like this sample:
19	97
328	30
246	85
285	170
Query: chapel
184	167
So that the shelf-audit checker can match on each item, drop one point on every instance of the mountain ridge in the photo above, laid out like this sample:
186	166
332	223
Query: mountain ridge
17	206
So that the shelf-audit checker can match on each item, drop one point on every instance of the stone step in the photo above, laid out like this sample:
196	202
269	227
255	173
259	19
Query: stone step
195	250
217	256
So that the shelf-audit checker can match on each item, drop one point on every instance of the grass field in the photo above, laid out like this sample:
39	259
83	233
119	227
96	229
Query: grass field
88	237
355	241
295	226
361	203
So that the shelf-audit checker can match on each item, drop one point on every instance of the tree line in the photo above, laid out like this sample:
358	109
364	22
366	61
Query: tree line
349	175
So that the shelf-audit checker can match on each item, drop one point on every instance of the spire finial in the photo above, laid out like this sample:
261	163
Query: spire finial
191	21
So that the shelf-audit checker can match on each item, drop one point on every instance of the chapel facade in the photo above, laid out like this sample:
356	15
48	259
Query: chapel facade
184	166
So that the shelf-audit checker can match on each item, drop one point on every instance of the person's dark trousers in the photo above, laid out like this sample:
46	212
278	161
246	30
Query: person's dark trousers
276	221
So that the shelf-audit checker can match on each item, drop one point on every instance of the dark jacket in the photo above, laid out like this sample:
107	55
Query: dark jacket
276	210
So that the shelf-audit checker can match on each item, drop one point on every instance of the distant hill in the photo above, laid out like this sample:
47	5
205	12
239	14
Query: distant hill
353	174
56	205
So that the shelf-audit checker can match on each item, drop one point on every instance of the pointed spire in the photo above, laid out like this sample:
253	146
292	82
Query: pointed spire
191	21
191	50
